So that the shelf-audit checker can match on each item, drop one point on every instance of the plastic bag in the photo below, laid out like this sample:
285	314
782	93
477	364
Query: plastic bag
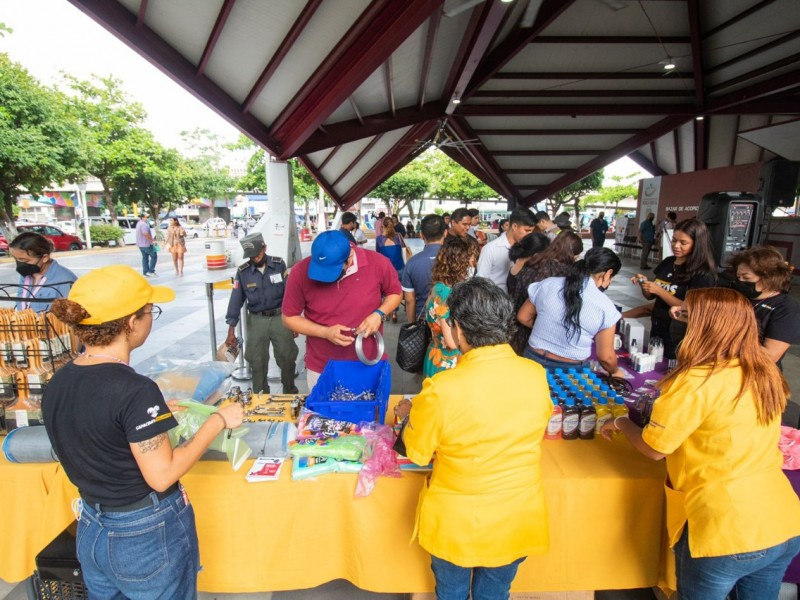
789	446
182	379
382	459
229	442
350	447
306	467
313	425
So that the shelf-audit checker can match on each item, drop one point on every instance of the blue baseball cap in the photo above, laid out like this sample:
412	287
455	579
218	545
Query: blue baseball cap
329	252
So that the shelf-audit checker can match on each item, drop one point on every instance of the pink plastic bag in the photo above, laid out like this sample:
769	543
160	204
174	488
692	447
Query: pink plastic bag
789	446
382	458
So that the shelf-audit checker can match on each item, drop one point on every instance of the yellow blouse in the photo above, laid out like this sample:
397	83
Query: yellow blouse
724	468
484	505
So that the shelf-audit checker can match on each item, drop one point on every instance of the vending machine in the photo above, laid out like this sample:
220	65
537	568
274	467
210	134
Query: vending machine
734	222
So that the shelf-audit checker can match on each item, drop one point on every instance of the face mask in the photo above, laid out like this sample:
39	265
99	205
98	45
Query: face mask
746	289
471	272
26	269
602	288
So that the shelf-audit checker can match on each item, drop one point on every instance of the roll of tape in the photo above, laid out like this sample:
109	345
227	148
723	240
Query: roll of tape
360	349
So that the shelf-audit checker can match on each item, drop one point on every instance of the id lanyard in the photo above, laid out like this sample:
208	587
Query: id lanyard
32	292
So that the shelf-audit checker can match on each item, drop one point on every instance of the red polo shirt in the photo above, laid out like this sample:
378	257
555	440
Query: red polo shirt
345	302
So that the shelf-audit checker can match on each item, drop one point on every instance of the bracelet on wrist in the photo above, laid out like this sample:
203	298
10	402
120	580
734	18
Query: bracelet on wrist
380	312
224	422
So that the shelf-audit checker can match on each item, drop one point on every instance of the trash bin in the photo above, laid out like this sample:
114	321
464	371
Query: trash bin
215	255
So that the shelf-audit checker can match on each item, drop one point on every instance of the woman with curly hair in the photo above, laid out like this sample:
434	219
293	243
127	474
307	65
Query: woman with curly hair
454	263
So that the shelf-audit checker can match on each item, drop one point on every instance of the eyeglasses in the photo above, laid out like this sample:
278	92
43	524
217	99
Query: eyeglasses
155	311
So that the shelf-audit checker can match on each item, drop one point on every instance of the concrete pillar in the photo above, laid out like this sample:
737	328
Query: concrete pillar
278	225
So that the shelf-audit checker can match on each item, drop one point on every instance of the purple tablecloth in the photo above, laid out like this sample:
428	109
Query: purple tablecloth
793	572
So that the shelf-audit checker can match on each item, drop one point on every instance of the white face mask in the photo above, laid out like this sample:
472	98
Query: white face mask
471	272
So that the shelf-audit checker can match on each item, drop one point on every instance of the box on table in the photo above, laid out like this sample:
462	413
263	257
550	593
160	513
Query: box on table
525	596
358	378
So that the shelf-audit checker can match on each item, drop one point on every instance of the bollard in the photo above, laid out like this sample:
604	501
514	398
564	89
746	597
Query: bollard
211	320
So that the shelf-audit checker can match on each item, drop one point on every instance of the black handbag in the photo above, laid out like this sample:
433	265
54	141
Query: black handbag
412	345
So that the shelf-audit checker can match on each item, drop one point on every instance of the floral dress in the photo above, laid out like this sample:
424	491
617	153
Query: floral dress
439	356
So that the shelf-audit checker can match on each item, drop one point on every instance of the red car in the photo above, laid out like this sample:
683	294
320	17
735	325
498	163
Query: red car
3	245
61	241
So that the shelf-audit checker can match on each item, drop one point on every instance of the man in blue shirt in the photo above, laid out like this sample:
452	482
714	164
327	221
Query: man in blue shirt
599	228
647	235
416	280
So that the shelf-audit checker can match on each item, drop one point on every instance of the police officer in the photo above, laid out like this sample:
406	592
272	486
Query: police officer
261	282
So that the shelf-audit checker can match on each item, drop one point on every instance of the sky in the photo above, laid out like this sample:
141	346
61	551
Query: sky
52	36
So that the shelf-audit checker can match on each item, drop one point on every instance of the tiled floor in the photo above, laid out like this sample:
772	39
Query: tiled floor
183	331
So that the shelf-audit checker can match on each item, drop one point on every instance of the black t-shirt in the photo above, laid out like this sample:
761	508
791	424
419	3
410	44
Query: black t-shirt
778	319
666	273
92	413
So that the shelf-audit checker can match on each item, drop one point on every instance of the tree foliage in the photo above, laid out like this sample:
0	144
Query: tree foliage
39	142
573	195
401	189
622	187
108	118
146	173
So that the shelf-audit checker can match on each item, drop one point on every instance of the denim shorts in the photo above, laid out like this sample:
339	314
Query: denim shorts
147	554
550	364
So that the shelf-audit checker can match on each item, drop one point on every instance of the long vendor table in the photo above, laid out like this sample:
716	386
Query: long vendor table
606	525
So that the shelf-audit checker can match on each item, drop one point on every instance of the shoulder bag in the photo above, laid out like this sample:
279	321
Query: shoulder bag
412	345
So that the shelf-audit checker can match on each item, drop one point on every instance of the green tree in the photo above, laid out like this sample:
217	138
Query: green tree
39	141
108	117
616	192
198	179
401	189
146	173
573	194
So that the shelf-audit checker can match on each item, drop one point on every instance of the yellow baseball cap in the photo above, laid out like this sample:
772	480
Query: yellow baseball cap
110	293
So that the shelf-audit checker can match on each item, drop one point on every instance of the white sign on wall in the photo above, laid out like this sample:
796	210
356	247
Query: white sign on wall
648	203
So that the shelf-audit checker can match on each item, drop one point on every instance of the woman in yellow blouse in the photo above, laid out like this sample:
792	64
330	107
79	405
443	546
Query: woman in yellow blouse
483	511
732	516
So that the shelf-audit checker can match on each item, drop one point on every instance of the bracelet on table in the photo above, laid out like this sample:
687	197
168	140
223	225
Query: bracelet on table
616	426
224	422
380	312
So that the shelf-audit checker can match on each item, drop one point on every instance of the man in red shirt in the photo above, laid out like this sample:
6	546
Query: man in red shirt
335	294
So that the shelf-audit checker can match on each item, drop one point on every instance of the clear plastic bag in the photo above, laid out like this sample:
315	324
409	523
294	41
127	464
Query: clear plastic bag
183	379
350	447
381	458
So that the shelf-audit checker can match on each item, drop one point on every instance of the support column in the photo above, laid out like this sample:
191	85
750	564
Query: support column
278	225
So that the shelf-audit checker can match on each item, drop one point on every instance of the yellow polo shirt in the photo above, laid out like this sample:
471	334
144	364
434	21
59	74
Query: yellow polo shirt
724	468
485	419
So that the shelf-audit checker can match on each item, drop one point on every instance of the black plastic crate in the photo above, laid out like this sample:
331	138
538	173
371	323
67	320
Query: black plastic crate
58	573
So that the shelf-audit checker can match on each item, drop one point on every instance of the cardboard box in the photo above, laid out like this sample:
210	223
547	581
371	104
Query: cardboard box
525	596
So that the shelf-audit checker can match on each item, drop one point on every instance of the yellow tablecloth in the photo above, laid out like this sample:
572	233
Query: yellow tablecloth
606	519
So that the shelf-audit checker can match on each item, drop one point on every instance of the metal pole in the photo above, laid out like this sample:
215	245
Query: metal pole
243	371
85	211
211	320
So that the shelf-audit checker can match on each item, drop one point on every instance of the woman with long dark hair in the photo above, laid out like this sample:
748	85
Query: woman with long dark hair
691	267
732	516
454	263
40	277
567	314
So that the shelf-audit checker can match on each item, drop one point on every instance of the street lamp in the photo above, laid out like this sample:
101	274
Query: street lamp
84	212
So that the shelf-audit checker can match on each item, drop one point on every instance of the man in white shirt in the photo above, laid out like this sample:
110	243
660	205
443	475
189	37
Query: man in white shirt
494	263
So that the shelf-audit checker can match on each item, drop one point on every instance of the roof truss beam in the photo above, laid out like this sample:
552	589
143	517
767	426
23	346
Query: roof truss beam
350	131
736	18
558	132
375	35
697	52
582	94
323	183
610	39
585	75
430	40
483	158
789	37
216	31
648	165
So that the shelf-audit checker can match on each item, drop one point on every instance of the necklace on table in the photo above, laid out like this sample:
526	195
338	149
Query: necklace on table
108	356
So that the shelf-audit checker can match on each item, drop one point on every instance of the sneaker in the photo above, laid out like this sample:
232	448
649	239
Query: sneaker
148	274
153	274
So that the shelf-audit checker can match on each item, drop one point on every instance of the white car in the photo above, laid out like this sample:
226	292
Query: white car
214	223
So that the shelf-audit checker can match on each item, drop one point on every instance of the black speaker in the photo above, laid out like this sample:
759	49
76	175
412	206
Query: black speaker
779	182
733	220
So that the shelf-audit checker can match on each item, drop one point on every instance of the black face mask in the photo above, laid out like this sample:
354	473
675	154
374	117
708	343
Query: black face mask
602	288
26	269
746	289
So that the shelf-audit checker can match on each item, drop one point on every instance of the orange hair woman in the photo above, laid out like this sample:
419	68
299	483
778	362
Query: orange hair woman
733	518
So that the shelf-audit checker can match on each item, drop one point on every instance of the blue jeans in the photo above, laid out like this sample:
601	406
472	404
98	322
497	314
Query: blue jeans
143	554
149	259
551	364
488	583
748	576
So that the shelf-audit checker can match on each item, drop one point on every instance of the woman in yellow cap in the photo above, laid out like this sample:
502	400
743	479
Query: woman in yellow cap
108	425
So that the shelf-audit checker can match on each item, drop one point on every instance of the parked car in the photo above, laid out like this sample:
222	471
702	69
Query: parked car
67	226
191	232
3	245
62	241
215	224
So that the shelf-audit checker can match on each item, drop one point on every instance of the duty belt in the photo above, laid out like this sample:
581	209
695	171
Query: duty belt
268	313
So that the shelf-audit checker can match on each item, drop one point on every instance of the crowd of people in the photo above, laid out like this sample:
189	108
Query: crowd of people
501	310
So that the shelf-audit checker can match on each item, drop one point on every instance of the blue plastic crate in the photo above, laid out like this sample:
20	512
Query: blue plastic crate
358	378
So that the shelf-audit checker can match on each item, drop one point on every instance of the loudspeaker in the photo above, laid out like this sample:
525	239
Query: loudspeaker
779	182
